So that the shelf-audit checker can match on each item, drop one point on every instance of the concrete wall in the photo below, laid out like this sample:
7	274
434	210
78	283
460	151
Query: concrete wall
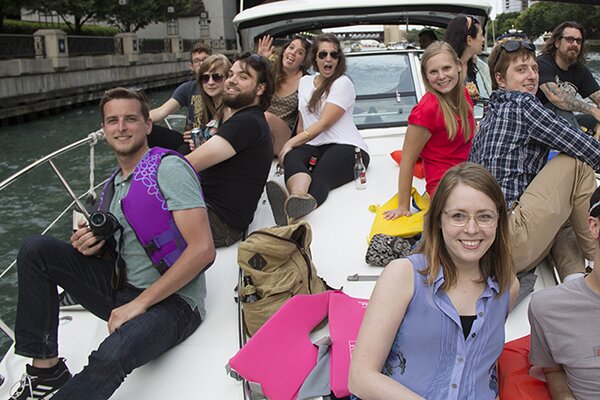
33	85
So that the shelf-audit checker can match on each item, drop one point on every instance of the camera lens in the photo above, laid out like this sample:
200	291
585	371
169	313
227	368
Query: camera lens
97	220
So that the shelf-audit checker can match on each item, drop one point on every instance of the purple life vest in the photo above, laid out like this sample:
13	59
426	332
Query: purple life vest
146	210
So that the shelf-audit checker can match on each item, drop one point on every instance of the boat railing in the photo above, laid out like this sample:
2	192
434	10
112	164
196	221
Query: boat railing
91	140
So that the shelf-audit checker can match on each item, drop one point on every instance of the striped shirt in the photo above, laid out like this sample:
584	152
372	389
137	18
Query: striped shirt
515	137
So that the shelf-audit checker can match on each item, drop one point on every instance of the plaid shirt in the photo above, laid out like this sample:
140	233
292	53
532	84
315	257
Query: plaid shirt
515	137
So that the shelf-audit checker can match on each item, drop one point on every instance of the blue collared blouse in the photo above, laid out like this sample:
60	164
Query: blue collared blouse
430	355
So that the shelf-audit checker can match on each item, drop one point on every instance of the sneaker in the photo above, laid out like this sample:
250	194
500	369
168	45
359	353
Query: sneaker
298	205
41	386
277	196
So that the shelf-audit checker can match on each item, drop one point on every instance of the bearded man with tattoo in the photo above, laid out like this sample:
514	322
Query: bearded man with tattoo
563	75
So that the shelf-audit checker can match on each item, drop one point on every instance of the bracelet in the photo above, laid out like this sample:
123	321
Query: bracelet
307	135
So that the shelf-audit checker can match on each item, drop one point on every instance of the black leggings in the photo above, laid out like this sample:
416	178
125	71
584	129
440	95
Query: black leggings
335	166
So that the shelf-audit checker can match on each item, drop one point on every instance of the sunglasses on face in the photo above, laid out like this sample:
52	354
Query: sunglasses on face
217	78
323	54
514	45
571	39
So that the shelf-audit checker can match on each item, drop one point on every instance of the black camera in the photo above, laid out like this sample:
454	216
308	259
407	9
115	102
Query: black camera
103	224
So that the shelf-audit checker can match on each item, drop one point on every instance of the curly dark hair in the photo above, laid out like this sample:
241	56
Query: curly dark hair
264	75
278	65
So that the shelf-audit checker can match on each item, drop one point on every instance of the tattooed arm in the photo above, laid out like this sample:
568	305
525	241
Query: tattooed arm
568	102
595	97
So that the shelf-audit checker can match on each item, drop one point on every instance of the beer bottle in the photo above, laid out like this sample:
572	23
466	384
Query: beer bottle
249	291
360	171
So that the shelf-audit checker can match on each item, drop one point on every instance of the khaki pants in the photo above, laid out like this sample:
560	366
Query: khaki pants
223	235
551	217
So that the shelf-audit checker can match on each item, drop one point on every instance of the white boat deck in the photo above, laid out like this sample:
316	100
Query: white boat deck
196	368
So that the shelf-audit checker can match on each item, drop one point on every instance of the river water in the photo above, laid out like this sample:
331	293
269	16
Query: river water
28	206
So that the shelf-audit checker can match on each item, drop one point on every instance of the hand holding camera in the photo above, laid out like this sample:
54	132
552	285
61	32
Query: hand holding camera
90	236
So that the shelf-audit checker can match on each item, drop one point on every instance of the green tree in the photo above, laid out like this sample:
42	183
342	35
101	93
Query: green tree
8	8
545	16
132	15
74	13
504	22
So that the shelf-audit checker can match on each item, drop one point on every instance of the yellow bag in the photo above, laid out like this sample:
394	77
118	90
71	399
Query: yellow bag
402	226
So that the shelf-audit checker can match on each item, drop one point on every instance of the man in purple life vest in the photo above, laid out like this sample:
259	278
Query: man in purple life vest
161	300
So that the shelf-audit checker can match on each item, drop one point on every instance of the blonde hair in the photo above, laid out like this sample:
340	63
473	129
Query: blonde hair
497	262
463	108
209	110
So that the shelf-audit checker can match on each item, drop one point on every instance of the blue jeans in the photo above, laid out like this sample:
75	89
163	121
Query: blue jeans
43	263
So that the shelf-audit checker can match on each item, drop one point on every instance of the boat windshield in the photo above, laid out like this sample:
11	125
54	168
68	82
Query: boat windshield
385	88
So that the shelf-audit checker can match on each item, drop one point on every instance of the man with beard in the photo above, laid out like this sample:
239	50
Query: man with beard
563	74
235	162
151	296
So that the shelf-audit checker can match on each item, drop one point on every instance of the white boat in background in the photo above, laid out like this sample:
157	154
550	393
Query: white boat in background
388	85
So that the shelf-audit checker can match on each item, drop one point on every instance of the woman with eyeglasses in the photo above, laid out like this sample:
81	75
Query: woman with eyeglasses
465	35
291	65
326	134
434	326
440	127
211	80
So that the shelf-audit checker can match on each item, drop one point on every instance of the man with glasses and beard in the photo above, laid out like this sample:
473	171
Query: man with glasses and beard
547	199
235	162
563	75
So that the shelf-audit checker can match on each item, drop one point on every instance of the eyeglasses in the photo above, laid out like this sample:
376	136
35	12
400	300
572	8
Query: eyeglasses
198	61
217	78
485	219
323	54
514	45
571	39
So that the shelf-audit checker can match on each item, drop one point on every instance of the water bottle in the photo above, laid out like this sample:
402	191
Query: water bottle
249	291
360	171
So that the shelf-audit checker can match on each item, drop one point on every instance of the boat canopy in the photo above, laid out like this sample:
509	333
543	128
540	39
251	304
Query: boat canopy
291	16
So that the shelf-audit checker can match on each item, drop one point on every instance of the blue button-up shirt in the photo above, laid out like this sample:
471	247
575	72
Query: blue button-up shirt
430	355
515	137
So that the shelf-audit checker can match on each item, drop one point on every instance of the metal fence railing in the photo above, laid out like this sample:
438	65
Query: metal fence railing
30	46
16	46
90	45
153	46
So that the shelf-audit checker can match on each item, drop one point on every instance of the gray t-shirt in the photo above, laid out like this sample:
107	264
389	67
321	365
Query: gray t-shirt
565	331
179	186
188	95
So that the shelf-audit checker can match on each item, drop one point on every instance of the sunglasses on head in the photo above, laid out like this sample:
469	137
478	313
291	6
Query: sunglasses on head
571	39
323	54
514	45
257	58
217	78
